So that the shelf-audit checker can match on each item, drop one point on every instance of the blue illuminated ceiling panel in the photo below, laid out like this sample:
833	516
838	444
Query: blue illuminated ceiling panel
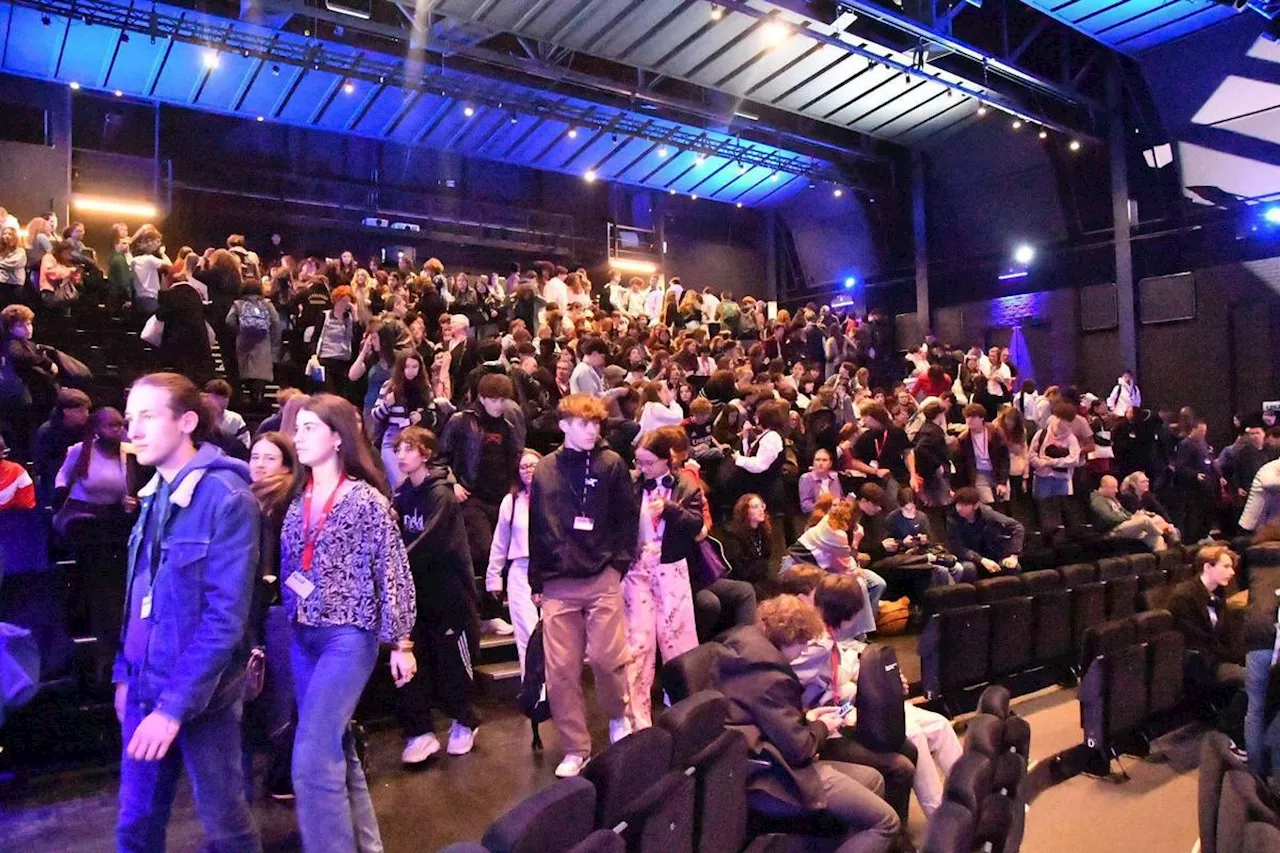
206	67
1133	26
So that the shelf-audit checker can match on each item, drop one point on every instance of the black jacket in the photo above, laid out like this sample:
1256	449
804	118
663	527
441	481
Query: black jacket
748	553
966	460
1190	605
683	517
462	443
990	534
931	452
571	483
441	562
766	706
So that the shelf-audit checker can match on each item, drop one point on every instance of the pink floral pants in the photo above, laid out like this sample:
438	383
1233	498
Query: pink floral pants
659	611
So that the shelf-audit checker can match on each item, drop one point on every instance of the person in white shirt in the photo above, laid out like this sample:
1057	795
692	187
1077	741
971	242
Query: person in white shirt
999	380
1033	407
217	396
1125	396
660	408
148	263
510	548
635	297
615	294
675	286
710	306
556	291
653	300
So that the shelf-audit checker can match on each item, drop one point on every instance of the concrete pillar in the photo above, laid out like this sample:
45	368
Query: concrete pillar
920	241
1125	296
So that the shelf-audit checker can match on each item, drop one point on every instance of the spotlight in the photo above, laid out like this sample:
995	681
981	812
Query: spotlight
662	152
468	111
124	38
381	79
119	94
700	159
1024	254
613	137
982	110
671	192
838	192
246	53
211	59
717	12
774	177
742	168
262	118
850	283
775	32
46	20
693	197
1075	145
349	87
589	176
75	87
1044	134
573	133
1017	124
275	70
515	119
1272	215
739	204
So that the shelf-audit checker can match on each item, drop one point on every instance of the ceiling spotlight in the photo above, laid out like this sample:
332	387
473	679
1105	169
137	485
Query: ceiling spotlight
307	33
515	120
838	192
739	204
613	137
75	87
982	110
1024	254
850	283
124	38
275	70
742	168
573	133
1044	134
589	176
211	59
1271	216
246	53
700	159
693	197
46	20
775	32
349	87
717	12
262	118
671	192
1017	124
468	111
382	79
774	177
662	152
1075	145
119	94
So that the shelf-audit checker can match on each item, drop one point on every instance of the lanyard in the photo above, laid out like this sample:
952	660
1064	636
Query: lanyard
880	443
311	537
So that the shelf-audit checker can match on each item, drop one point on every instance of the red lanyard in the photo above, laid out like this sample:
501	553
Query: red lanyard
835	670
884	439
311	537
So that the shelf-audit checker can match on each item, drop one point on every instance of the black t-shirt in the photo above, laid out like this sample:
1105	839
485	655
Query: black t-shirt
887	449
493	477
699	434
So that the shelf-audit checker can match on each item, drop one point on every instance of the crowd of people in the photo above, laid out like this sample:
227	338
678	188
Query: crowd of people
634	466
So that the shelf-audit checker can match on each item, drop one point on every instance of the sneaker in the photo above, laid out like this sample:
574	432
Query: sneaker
571	765
420	748
498	626
619	727
461	738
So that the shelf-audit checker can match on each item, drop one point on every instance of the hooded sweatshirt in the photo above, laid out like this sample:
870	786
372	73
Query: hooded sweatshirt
828	547
441	561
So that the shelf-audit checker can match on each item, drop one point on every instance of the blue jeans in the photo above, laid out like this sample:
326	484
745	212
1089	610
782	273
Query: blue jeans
330	669
865	621
1261	741
209	747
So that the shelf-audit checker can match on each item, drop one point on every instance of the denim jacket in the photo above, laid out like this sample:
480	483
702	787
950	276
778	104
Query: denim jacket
201	594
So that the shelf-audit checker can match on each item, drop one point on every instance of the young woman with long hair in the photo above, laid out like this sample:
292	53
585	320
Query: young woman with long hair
347	588
509	551
748	539
660	408
406	400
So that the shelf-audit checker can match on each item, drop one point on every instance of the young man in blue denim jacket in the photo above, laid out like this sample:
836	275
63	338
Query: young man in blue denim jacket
179	677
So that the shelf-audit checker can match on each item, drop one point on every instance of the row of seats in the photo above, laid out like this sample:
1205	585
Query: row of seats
999	627
1133	678
983	807
678	787
1237	811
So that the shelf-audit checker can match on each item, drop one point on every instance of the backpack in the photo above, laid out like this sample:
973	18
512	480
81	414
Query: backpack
255	319
532	700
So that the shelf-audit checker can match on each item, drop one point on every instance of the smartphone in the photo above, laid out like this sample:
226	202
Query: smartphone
845	707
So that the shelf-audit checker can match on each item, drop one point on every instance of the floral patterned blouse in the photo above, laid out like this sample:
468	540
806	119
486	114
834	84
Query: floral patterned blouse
360	569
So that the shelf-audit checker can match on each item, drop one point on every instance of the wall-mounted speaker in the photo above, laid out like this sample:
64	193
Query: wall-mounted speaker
1098	308
1167	298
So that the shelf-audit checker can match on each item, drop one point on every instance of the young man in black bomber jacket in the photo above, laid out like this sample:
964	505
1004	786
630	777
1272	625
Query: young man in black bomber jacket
583	525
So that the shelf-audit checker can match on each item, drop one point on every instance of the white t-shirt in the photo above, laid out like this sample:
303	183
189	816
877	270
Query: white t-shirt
710	307
555	291
146	275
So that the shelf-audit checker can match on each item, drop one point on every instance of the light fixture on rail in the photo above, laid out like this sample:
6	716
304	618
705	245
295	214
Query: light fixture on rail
775	31
349	87
693	197
837	192
850	283
700	159
75	86
136	209
1024	254
633	265
1075	145
589	176
774	178
662	152
1017	124
742	168
739	204
468	111
1271	215
1044	134
119	93
573	133
982	110
211	59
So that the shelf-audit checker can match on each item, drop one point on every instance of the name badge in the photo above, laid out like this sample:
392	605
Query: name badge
144	612
300	585
583	522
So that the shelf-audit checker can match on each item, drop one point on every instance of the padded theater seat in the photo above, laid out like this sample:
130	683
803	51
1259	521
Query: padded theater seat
720	763
1050	616
1216	760
1113	691
950	830
692	671
1165	651
1012	629
1245	800
1122	586
1088	599
955	644
555	818
624	771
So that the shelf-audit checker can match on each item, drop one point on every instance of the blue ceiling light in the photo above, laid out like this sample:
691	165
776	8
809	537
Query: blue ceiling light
850	283
1271	215
1024	254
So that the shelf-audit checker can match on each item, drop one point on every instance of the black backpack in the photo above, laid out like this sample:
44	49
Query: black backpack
532	700
881	719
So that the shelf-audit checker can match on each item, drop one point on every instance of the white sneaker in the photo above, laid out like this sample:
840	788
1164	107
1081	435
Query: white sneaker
498	626
420	748
461	738
570	765
619	727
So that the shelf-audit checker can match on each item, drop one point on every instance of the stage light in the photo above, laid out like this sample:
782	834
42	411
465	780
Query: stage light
262	118
1017	124
742	168
775	32
46	20
1024	254
124	38
633	265
1272	215
700	159
1044	134
693	197
662	152
275	70
589	176
1075	145
573	133
468	111
119	94
140	210
349	88
982	110
211	59
515	120
717	12
774	178
75	87
850	283
671	192
838	192
739	204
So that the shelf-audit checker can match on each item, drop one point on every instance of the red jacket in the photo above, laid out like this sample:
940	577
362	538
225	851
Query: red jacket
17	490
